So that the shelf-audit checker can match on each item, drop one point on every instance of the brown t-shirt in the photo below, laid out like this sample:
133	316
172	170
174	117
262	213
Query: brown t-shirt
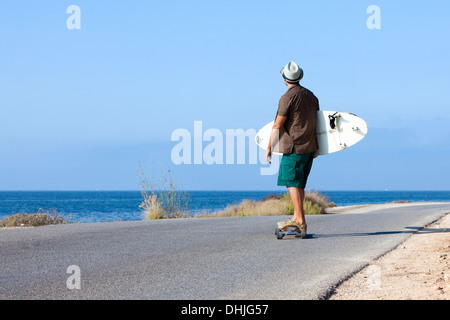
299	131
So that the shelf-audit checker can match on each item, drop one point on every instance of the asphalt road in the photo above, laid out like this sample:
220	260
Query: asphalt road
211	258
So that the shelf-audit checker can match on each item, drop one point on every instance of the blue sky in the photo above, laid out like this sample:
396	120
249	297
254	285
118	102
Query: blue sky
82	108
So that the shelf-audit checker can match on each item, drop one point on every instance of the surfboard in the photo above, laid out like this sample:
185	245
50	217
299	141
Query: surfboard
335	131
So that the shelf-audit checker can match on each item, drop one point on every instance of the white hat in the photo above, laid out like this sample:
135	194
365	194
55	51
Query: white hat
292	72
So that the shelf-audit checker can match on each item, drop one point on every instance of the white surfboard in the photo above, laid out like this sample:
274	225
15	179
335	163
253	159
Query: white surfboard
335	131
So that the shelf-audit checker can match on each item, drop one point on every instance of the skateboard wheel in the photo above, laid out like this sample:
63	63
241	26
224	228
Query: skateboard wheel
279	234
303	235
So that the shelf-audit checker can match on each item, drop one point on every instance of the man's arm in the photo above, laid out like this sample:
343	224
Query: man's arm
274	135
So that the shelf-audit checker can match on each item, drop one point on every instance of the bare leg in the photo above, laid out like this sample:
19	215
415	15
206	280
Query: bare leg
297	196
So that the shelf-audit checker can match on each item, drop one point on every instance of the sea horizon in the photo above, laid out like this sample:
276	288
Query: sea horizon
231	190
122	205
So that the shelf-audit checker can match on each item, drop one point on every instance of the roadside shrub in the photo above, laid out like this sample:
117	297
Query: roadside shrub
162	198
275	204
314	203
319	200
33	219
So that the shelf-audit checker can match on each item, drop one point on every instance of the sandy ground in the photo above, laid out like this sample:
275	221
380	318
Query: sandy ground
418	269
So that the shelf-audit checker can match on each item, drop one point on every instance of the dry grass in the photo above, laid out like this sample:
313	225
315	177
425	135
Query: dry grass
246	208
316	203
151	207
162	198
33	219
275	205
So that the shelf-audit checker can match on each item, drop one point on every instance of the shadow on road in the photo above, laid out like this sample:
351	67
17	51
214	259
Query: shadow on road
412	230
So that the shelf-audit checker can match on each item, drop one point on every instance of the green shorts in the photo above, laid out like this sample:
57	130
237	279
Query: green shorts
294	169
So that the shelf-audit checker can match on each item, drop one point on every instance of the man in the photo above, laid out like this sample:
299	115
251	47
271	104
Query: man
294	135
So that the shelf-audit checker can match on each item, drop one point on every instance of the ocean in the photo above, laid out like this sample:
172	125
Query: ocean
102	206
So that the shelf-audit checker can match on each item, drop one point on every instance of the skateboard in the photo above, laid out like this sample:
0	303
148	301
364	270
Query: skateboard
289	231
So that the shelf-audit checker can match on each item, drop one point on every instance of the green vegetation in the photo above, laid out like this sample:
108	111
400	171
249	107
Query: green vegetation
33	219
279	204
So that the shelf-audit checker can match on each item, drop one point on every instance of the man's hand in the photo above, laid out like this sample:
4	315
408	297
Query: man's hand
277	126
269	155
